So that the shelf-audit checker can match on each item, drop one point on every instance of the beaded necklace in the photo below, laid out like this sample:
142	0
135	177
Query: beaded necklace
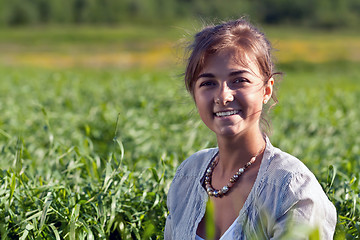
212	192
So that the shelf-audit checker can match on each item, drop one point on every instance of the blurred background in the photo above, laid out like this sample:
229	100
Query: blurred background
320	13
125	33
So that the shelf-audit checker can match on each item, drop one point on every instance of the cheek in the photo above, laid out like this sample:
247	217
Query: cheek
257	105
200	100
252	102
203	107
254	94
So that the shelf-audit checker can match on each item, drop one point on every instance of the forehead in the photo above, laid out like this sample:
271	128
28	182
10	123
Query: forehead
230	59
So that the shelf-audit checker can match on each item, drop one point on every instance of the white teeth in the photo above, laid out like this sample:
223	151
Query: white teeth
228	113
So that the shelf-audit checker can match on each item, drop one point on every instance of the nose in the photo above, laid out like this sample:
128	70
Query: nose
224	95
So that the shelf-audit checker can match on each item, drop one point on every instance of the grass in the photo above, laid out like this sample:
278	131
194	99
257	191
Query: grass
89	152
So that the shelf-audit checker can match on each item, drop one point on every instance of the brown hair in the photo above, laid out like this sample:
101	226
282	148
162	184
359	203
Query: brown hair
239	35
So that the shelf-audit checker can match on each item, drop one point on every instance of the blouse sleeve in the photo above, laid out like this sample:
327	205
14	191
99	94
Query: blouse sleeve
168	228
304	209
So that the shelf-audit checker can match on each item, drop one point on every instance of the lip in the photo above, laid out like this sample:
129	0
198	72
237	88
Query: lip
227	113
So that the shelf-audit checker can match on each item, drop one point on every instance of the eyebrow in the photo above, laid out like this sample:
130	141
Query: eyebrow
238	73
210	75
206	75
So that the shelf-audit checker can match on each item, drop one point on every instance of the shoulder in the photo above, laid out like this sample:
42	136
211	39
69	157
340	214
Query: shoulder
288	186
186	183
190	171
279	167
196	162
283	168
285	179
289	190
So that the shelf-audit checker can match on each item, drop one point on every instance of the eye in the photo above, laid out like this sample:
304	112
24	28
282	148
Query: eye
240	80
207	83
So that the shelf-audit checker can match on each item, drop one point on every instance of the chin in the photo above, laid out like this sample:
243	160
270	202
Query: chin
229	132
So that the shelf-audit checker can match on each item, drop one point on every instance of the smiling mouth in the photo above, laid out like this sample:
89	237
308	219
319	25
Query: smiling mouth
227	113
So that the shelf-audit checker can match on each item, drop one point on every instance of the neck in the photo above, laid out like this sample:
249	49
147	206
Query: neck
237	151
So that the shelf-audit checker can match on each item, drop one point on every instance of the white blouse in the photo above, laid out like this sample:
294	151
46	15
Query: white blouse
227	235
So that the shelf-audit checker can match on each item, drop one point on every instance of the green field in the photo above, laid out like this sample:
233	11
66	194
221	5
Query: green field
94	123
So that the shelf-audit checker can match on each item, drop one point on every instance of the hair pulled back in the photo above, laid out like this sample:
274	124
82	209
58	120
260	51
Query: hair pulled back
238	35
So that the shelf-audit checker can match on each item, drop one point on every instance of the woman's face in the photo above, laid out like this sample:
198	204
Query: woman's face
229	96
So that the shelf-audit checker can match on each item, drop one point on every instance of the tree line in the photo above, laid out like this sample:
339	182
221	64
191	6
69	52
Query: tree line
318	13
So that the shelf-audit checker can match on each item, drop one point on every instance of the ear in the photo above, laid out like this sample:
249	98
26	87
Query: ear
268	89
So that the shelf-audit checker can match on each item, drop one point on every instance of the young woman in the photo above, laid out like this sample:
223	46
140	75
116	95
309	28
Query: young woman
256	190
